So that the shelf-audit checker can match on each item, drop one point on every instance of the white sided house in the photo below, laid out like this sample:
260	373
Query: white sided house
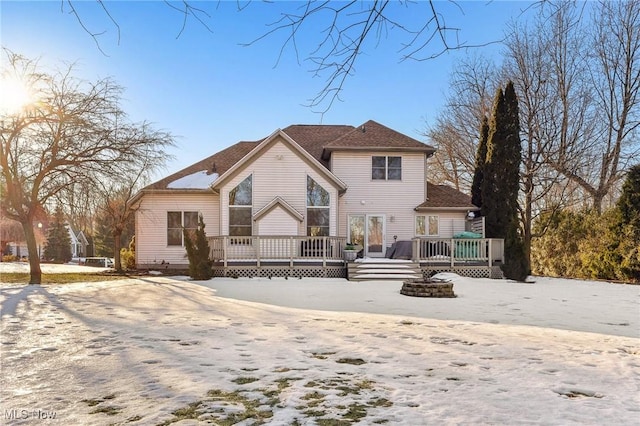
288	205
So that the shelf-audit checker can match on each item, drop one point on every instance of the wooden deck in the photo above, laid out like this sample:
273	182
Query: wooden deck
297	257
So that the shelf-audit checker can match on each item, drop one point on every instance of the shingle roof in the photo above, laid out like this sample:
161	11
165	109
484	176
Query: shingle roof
373	134
313	138
444	196
219	163
318	140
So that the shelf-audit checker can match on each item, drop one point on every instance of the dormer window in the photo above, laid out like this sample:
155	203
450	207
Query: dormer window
386	168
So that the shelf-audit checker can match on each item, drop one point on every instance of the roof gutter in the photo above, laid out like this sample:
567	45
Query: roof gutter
326	151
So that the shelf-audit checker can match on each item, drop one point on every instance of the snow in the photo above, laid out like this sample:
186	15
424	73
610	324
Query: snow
50	268
135	350
198	180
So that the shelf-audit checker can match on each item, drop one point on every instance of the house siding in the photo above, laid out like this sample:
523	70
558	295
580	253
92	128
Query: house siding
277	222
449	223
395	199
151	225
279	171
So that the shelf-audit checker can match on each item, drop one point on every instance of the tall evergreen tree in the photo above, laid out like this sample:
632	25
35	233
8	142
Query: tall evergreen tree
501	182
481	158
197	246
493	196
629	202
627	227
58	248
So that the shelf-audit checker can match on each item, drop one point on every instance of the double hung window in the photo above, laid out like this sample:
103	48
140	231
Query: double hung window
318	205
176	222
386	168
240	209
427	226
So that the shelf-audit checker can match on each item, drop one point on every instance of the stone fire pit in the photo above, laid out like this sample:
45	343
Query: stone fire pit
428	288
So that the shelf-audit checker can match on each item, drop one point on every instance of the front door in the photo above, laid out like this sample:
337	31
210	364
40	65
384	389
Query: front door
369	232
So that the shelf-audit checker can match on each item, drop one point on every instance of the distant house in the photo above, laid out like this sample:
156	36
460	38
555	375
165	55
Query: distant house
288	204
12	239
79	243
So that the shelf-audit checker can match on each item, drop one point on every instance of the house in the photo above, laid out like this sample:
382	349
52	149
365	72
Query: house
288	203
79	243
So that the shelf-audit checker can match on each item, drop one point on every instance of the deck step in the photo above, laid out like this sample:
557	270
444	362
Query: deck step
381	270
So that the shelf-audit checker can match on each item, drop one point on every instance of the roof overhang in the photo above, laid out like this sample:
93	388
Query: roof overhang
135	201
326	151
457	209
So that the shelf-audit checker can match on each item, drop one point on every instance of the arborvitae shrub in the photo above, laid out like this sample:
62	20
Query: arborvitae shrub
197	246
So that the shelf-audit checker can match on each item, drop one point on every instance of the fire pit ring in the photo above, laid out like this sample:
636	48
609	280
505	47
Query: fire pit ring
428	288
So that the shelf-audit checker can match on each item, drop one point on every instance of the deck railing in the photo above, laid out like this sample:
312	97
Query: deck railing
456	251
453	251
276	248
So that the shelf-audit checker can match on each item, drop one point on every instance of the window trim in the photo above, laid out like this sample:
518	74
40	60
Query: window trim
387	168
248	207
327	208
182	223
426	225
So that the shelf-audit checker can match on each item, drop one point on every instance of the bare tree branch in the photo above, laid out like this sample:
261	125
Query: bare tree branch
347	29
189	10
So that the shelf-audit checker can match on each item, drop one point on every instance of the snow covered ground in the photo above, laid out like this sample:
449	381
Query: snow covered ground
158	349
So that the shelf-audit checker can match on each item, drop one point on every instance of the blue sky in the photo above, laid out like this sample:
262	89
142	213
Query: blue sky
210	91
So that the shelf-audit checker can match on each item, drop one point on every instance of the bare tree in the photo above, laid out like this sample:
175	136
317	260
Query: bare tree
596	79
65	136
455	133
117	188
616	87
526	63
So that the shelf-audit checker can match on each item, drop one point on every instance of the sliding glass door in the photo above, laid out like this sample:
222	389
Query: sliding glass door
368	231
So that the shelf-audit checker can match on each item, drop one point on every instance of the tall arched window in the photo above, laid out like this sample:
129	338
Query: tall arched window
240	208
318	205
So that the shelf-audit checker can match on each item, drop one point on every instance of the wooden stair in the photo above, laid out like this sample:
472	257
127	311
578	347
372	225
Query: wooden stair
383	269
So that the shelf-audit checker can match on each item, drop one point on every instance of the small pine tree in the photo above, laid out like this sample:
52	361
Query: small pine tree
481	158
58	248
200	266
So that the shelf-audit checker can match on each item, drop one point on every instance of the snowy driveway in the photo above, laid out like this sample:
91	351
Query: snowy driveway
154	350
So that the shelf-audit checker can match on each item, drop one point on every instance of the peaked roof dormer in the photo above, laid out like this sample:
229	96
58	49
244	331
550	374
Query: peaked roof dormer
278	202
279	135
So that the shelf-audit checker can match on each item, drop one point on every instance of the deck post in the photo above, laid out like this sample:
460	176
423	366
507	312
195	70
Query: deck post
257	251
453	253
225	242
490	259
415	255
292	248
324	253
